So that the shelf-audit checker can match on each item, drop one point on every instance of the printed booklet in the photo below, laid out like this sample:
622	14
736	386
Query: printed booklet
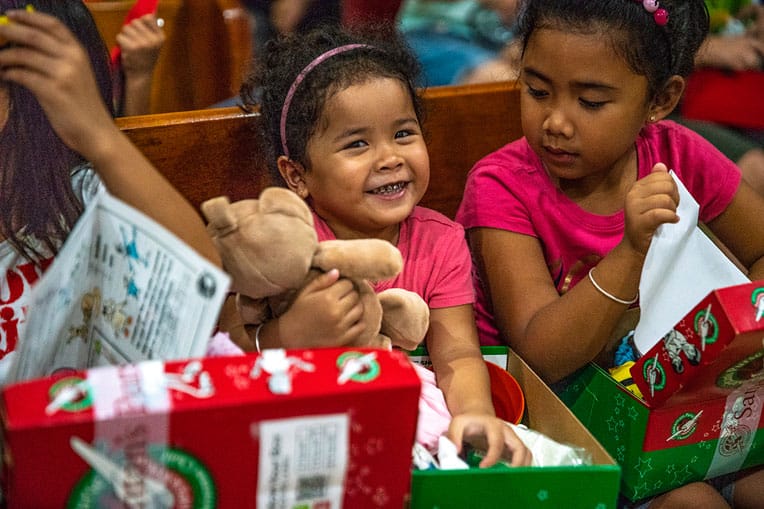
122	289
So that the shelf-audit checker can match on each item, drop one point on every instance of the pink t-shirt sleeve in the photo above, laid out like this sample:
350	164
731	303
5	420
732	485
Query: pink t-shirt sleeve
437	262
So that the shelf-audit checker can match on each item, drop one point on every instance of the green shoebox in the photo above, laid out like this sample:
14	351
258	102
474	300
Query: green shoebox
526	487
680	441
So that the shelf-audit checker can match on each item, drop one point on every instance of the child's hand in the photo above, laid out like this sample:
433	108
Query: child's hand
491	434
327	312
140	42
650	202
47	59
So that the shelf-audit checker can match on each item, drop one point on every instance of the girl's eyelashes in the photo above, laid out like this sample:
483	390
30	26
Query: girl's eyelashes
541	94
592	105
354	144
536	93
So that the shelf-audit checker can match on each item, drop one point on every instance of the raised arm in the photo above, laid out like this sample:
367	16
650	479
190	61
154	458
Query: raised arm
47	59
140	42
558	334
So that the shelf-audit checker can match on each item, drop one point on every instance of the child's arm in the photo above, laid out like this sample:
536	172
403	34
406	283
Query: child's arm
558	334
140	42
46	58
462	376
740	228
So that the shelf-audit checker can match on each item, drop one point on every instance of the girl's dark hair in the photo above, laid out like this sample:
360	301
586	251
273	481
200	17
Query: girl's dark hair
284	58
654	51
35	165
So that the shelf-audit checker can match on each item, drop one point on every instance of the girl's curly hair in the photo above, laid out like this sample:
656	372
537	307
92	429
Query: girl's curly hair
285	57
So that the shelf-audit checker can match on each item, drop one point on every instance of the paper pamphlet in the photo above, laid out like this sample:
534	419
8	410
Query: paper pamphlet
122	289
682	267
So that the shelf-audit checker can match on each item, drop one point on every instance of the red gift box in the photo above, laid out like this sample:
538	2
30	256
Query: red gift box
296	431
723	328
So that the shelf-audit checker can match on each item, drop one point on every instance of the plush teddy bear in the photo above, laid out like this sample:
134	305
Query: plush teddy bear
270	248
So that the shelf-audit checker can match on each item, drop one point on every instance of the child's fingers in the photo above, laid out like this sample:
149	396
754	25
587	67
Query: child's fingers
55	53
35	29
657	217
495	440
654	184
149	23
322	281
521	455
661	201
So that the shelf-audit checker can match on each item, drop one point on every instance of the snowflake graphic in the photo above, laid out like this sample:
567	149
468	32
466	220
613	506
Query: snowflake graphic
670	468
619	400
542	495
620	453
633	414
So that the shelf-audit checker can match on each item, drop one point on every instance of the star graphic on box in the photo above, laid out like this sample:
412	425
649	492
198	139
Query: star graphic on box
643	466
615	426
642	488
681	476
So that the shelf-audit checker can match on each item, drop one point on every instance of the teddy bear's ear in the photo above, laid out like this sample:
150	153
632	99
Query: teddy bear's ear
221	220
283	201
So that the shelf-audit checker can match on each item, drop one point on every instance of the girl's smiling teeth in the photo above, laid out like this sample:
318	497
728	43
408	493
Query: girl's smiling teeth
389	188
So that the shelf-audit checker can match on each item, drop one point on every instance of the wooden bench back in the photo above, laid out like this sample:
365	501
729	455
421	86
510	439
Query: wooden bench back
208	153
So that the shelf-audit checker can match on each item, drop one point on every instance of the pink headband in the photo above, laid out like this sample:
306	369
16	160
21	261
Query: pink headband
290	94
660	15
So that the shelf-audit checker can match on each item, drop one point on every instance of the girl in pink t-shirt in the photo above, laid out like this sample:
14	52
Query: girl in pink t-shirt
343	118
560	221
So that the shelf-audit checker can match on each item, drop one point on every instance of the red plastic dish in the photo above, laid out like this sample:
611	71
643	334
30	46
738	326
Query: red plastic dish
507	396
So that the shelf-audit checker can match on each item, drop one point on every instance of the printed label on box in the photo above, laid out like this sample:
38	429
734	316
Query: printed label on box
303	462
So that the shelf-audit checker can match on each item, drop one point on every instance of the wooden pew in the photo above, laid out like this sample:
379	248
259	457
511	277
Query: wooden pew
207	153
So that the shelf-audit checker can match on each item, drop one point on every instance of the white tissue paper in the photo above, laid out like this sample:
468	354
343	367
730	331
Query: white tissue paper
682	267
549	453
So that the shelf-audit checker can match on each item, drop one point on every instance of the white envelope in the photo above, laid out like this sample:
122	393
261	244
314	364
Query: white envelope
682	267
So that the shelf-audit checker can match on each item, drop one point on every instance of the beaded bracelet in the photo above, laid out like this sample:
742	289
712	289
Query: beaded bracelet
608	294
